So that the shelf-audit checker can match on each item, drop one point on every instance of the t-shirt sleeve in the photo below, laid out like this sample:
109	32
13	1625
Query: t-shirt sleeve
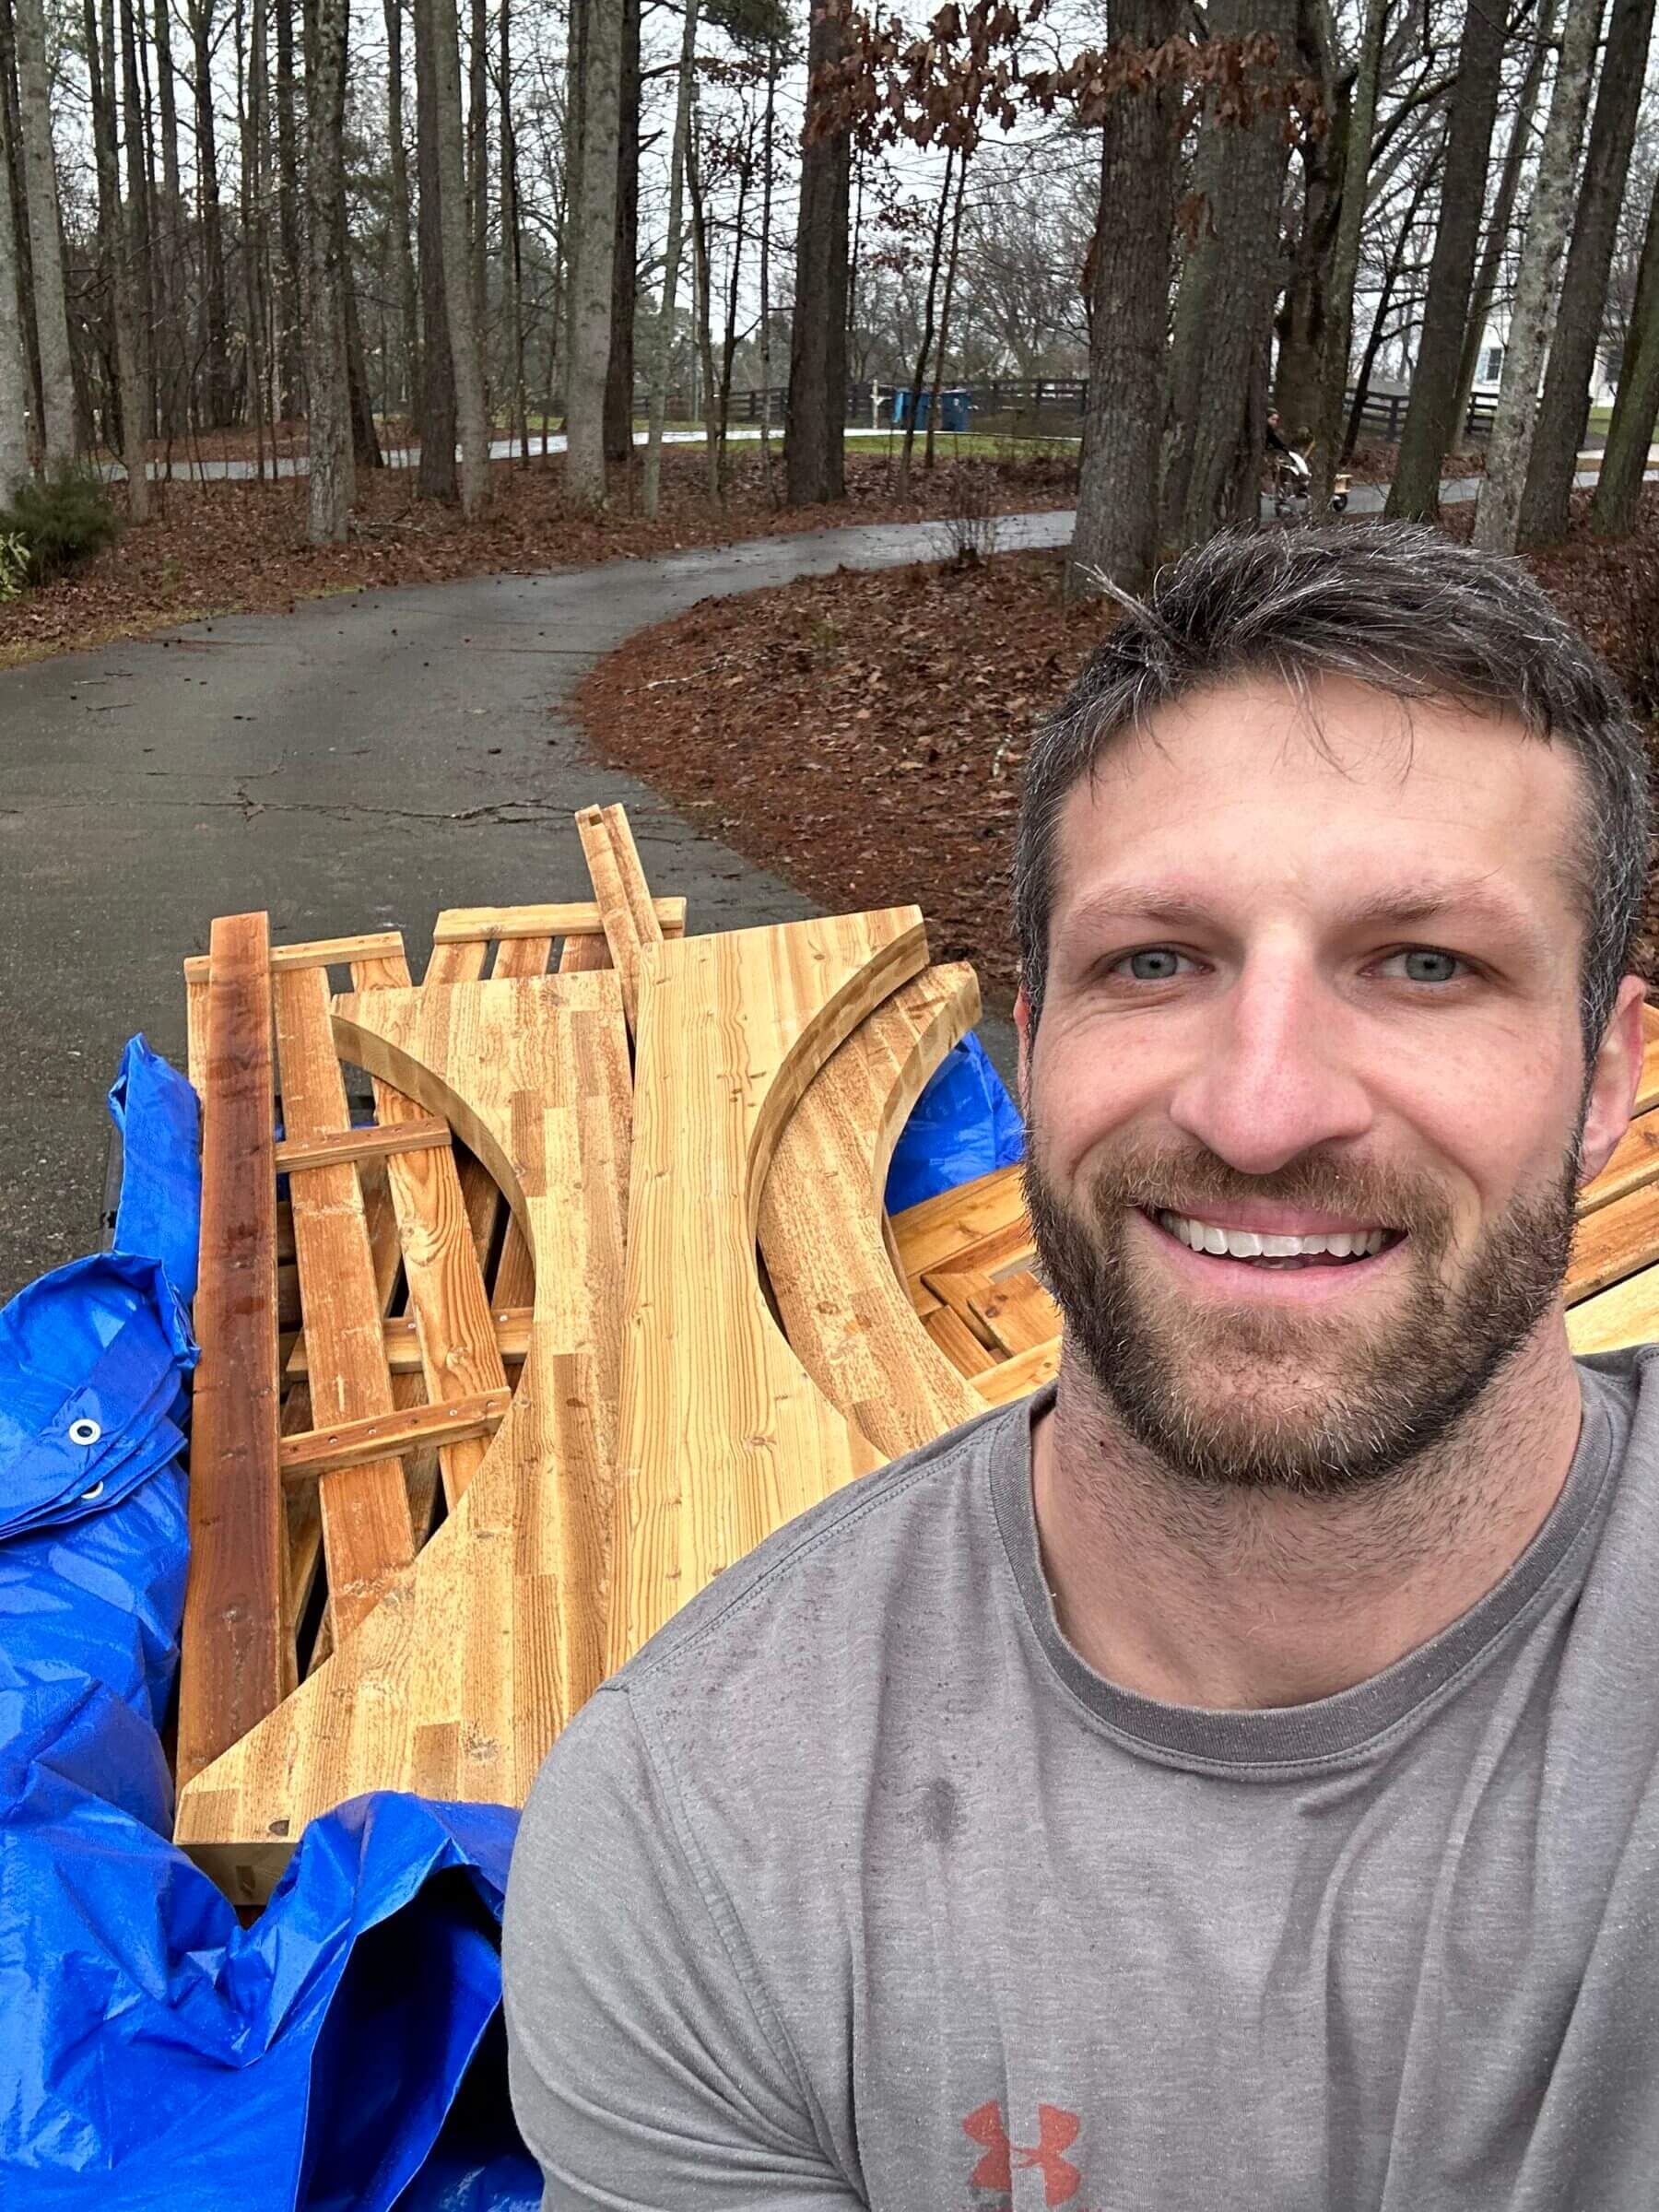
643	2072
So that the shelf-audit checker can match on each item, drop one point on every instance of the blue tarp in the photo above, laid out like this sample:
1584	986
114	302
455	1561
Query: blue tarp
346	2048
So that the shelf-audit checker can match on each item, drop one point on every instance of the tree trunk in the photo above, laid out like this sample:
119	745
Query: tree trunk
1353	187
112	247
1304	312
815	435
512	263
46	238
620	374
1128	281
919	372
575	90
1504	215
1630	434
952	261
365	436
254	122
728	347
329	412
767	136
218	399
596	215
1509	451
138	245
289	351
477	181
662	351
16	399
1578	322
703	313
1224	312
11	131
1430	420
1373	341
435	478
398	213
437	17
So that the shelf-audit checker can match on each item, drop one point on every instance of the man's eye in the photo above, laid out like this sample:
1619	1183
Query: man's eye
1423	964
1154	964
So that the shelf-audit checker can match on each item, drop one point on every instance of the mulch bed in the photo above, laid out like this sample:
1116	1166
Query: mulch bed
864	734
241	547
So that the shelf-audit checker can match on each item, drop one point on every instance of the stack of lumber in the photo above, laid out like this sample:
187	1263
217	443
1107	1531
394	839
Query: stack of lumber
588	1292
532	1296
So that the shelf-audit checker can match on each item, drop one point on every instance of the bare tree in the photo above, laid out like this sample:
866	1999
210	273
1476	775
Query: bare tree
435	478
1497	508
595	207
399	215
662	349
1578	323
435	20
101	57
625	249
1358	126
16	398
1472	110
1624	460
816	439
45	236
331	485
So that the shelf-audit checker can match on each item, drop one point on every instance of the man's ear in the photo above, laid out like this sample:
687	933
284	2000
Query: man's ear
1614	1079
1022	1025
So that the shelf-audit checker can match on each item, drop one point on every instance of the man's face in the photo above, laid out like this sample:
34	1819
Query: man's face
1307	1096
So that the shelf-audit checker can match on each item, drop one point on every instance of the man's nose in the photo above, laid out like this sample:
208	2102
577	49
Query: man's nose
1274	1071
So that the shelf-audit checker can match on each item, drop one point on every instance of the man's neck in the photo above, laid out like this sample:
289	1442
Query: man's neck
1243	1599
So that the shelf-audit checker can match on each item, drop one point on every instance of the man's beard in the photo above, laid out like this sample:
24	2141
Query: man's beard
1312	1404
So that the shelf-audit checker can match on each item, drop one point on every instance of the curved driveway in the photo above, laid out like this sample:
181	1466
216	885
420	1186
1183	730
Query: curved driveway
357	764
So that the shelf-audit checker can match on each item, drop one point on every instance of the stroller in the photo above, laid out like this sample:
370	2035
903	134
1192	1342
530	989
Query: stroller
1293	480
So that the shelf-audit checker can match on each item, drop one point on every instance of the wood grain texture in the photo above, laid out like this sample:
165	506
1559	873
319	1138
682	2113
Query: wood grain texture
446	1290
237	1661
458	1683
571	918
1017	1377
367	1537
512	1326
514	1280
935	1233
1613	1242
1635	1161
844	1309
421	1133
733	1030
622	903
314	1452
322	952
1626	1314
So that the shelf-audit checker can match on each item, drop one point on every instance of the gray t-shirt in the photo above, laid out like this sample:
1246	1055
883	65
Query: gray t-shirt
858	1886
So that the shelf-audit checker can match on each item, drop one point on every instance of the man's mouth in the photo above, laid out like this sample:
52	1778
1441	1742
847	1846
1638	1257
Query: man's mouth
1261	1248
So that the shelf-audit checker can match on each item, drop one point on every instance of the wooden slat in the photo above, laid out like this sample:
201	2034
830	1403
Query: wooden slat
732	1028
196	1033
1019	1377
842	1305
965	1290
1018	1314
447	1297
965	1351
514	1280
461	960
1627	1314
581	956
635	889
402	1344
619	912
367	1537
1647	1090
1613	1242
237	1664
572	918
359	1443
322	952
932	1234
421	1133
1635	1161
457	1686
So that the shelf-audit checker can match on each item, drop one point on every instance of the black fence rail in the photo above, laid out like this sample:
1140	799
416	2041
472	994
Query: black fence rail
1034	406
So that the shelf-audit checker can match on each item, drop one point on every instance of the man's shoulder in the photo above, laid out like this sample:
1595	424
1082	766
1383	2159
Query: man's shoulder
922	1527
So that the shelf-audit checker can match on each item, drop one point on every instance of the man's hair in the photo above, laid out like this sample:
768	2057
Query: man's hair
1399	606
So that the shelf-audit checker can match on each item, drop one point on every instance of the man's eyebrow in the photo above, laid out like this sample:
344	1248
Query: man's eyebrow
1407	905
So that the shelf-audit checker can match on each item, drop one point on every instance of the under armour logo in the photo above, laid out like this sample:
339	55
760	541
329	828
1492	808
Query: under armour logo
1056	2132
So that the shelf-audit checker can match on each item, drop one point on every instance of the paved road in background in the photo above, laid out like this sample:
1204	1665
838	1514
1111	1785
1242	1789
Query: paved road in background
357	764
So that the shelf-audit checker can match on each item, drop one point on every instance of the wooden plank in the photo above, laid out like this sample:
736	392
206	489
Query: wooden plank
421	1133
843	1307
572	918
732	1028
461	960
367	1537
358	1443
514	1280
1647	1090
447	1297
1019	1377
967	1353
1635	1161
512	1327
322	952
635	889
1613	1242
617	911
237	1664
581	956
932	1234
1627	1314
196	1033
966	1292
459	1683
1018	1315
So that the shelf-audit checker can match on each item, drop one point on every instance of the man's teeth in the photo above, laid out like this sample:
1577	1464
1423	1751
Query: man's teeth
1247	1244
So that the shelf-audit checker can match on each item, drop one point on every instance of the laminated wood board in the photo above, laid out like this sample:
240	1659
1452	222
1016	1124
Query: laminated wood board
238	1660
844	1309
457	1684
732	1030
626	912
